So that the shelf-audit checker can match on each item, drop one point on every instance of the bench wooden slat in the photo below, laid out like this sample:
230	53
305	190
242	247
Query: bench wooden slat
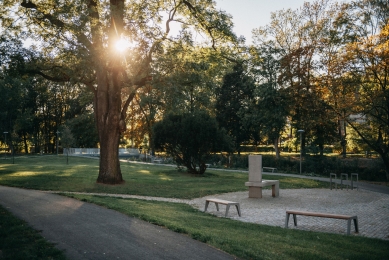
220	201
318	214
323	215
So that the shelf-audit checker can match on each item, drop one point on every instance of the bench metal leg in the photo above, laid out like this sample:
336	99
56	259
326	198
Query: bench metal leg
238	209
227	208
217	206
356	224
348	226
206	206
286	220
294	219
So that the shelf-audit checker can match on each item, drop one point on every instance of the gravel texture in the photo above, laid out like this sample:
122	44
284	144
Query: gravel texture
371	208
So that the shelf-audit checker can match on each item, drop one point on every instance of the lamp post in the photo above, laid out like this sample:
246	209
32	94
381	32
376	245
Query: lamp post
301	145
5	141
57	140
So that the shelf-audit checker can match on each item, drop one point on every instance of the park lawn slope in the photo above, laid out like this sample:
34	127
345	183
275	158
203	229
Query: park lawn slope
52	173
246	240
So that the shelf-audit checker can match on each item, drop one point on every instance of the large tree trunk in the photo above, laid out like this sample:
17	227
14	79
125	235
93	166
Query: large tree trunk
110	172
109	124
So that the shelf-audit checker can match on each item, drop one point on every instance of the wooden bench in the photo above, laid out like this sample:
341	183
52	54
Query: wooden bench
224	202
322	215
269	168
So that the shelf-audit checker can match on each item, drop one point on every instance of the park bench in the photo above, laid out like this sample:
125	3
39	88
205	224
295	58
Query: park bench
223	202
269	168
322	215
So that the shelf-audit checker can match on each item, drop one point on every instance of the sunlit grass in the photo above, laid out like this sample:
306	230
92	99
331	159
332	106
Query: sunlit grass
52	173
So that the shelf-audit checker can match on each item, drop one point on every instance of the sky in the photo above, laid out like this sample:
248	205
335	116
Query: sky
250	14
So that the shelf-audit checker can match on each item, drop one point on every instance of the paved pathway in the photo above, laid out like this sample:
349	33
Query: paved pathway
87	231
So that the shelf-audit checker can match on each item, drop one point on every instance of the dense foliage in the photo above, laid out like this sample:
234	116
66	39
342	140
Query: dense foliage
190	138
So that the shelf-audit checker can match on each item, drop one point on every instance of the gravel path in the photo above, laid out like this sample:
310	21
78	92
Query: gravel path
372	209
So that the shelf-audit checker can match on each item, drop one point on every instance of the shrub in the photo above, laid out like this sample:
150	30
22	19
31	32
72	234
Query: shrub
190	138
368	169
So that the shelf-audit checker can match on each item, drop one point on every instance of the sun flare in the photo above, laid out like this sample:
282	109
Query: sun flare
121	45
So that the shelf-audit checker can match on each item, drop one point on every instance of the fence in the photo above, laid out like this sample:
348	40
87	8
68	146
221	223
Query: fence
96	151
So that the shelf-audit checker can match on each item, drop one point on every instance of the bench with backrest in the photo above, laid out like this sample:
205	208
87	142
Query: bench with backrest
322	215
223	202
269	168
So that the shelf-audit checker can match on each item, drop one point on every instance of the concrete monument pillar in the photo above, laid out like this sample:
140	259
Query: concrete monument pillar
255	182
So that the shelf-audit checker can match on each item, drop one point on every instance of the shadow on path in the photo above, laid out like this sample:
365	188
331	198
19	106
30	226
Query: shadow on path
88	231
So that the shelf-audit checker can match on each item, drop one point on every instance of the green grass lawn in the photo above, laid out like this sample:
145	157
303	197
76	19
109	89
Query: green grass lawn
244	240
52	173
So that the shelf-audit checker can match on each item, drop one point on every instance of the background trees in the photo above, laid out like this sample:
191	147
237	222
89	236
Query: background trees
77	45
233	99
321	68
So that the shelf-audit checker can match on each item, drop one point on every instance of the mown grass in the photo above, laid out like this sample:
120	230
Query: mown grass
52	173
244	240
19	241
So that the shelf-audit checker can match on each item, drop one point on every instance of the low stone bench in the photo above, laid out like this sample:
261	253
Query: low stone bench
224	202
322	215
255	188
269	168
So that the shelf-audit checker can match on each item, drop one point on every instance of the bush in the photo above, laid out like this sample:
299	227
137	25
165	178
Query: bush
190	138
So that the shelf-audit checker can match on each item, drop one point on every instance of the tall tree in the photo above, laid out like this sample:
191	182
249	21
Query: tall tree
366	58
270	97
78	39
233	99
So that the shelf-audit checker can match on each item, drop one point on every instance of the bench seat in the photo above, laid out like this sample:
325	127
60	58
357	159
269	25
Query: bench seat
322	215
255	188
223	202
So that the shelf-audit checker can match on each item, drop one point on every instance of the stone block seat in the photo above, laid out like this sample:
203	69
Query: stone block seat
255	188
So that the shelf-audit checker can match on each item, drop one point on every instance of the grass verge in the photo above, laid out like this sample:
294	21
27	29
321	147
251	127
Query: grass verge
19	241
246	240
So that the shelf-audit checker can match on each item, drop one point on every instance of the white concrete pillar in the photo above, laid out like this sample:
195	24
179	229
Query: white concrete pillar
255	168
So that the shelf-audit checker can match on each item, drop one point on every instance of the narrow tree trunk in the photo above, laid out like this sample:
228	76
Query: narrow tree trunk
276	148
25	143
385	159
